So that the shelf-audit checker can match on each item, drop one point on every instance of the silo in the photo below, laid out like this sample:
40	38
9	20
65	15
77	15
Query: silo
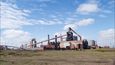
85	44
92	44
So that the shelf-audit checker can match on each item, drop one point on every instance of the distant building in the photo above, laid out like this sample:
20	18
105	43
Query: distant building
3	47
106	46
93	44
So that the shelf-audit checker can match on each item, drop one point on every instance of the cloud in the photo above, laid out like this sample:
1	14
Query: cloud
12	16
47	22
14	33
87	8
60	33
107	37
8	1
107	34
83	22
86	22
11	21
15	37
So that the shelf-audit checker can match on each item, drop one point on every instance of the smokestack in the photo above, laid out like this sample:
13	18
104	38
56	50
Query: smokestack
55	38
48	39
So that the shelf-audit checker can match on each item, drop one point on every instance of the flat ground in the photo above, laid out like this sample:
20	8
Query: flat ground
67	57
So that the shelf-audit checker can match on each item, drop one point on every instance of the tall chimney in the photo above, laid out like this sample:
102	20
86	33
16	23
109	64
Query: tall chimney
55	38
48	39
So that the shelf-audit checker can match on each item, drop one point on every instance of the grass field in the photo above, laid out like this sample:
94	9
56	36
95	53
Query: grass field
67	57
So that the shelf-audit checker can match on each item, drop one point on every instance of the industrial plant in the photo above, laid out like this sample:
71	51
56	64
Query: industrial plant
70	41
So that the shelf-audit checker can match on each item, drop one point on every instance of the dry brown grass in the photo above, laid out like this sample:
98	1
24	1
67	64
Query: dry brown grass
67	57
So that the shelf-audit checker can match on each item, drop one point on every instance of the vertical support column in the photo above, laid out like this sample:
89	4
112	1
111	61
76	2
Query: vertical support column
48	39
56	43
55	38
81	45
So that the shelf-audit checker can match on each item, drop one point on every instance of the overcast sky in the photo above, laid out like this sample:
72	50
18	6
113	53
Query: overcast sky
22	20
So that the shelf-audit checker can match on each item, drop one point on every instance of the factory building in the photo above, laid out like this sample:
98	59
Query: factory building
68	41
